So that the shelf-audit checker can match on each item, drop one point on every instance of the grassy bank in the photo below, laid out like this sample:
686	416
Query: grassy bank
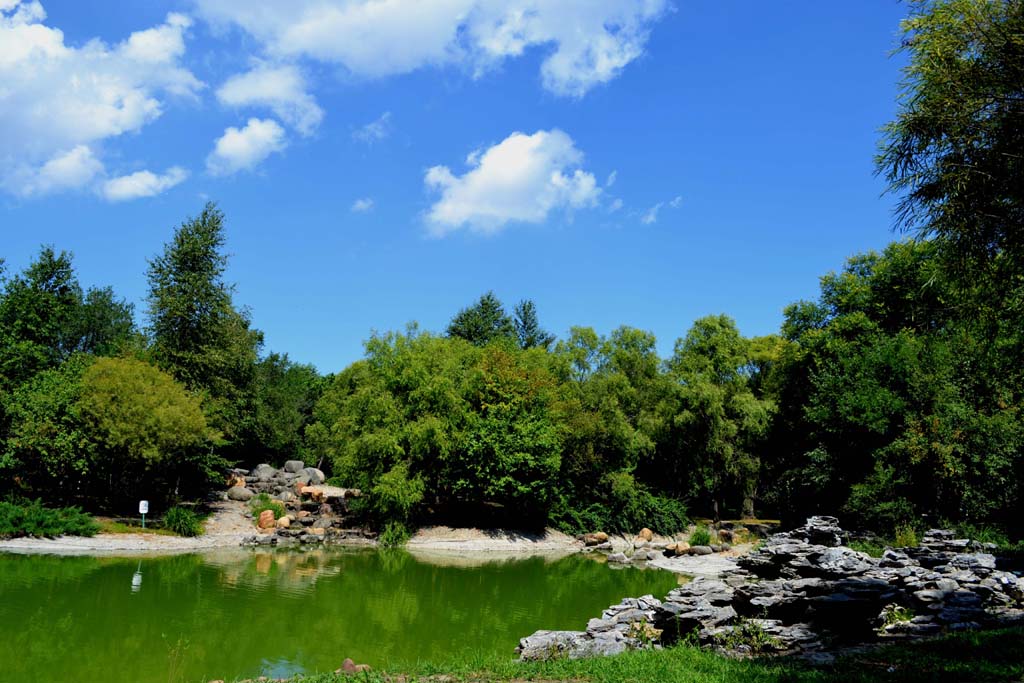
977	656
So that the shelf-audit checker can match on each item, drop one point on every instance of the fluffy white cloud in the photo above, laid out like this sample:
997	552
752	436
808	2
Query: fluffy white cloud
280	88
588	42
58	102
520	179
375	130
142	184
362	205
243	149
69	170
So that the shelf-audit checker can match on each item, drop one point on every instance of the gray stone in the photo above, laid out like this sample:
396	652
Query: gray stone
264	472
316	477
700	550
240	493
618	558
294	466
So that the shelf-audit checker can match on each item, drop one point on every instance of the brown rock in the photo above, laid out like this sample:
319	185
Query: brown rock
646	534
363	667
304	513
283	523
317	530
266	520
235	480
682	547
348	666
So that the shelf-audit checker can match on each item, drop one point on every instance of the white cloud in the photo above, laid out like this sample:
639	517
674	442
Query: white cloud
587	42
142	184
520	179
58	99
281	88
611	178
243	149
375	130
650	216
71	170
362	205
615	205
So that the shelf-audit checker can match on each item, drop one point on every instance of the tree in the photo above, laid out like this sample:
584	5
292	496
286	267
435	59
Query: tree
720	420
483	322
285	395
45	318
198	335
528	328
954	150
146	428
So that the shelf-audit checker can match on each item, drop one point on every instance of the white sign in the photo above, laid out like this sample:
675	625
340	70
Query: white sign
143	507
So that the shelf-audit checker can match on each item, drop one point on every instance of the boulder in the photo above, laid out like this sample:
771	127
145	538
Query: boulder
283	523
264	472
235	480
266	520
594	539
240	493
294	466
646	534
316	477
700	550
618	557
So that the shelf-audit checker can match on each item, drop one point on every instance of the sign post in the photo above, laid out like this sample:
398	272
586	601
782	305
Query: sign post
143	509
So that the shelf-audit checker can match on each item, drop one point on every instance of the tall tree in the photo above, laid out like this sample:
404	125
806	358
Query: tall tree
721	420
198	335
483	322
528	330
954	151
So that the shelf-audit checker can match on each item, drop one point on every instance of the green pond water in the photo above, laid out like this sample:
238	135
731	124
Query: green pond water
244	613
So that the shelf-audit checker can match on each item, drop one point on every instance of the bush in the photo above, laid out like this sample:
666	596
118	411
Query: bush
394	535
700	536
868	547
263	502
906	537
32	519
183	522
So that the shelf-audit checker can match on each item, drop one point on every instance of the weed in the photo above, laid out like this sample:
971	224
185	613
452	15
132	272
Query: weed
700	536
183	522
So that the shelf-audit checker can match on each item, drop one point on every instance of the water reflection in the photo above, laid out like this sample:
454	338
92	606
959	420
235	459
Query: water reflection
240	613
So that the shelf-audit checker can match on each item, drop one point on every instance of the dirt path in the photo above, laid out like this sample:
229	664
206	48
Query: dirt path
227	526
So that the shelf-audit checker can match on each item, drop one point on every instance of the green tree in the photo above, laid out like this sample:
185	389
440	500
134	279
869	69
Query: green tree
197	333
528	330
285	394
953	152
146	429
483	322
720	420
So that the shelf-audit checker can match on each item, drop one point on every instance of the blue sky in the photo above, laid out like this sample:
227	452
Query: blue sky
617	161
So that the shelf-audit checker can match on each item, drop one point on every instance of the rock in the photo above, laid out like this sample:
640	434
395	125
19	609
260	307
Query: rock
240	493
725	535
348	666
264	472
700	550
294	466
283	523
284	496
646	534
266	520
548	644
235	479
316	477
323	523
618	557
594	539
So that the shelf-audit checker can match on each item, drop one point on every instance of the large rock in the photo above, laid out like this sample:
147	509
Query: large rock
646	534
316	477
294	466
240	493
264	472
266	520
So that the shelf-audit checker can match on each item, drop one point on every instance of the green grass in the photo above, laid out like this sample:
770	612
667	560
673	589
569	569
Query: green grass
263	502
868	547
110	526
977	656
183	522
700	536
31	518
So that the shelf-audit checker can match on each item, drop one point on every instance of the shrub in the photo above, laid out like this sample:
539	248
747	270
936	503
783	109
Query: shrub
263	502
748	635
869	547
394	535
906	537
700	536
183	522
32	519
893	614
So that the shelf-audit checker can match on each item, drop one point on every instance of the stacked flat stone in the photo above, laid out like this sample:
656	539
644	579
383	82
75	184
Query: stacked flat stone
804	589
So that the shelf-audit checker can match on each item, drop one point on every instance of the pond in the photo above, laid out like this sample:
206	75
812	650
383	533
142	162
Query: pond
241	613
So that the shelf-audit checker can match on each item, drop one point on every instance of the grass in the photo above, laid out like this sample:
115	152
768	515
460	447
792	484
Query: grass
112	526
869	547
31	518
700	536
974	656
263	502
183	522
